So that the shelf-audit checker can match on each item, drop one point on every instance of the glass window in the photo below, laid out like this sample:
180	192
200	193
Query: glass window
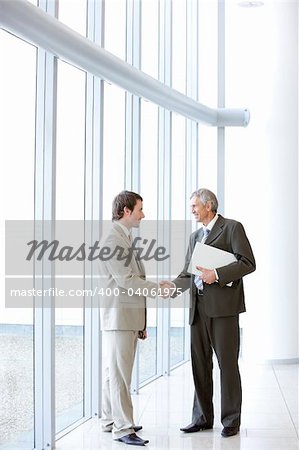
73	14
150	37
207	158
207	88
114	146
179	45
70	158
148	348
115	27
178	202
149	193
114	109
17	143
208	52
70	177
149	159
178	167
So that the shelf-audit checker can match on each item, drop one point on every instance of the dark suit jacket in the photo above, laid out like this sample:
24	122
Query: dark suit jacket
219	299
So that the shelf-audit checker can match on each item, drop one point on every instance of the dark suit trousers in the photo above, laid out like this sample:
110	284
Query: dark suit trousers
223	335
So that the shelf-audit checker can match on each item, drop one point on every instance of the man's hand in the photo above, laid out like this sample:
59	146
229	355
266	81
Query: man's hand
142	334
208	276
166	288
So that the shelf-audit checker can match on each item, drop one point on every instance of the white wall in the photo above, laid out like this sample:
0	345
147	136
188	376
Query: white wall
262	168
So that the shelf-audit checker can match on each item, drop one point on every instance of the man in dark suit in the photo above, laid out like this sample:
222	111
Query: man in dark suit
217	299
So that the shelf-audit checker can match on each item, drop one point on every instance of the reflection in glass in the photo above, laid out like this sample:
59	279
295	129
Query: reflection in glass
148	348
17	138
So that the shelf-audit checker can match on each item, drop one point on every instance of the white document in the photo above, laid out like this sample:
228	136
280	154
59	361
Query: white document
209	257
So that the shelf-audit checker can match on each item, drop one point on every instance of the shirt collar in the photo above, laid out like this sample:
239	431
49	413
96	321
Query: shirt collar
212	223
124	228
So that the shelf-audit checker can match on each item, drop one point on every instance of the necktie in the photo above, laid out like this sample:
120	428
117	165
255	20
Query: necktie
197	280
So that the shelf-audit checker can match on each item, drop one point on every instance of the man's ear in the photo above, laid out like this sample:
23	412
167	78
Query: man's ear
127	211
208	206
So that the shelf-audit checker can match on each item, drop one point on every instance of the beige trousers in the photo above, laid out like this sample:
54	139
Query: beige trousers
119	348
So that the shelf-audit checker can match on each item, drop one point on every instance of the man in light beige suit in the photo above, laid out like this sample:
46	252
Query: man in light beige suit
123	317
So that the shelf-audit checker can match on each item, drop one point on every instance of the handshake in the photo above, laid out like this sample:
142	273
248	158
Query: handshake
166	289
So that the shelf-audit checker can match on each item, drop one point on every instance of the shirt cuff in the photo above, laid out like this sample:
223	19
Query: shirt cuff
217	279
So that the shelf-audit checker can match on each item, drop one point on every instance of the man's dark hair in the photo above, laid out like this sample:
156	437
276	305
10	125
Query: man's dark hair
124	198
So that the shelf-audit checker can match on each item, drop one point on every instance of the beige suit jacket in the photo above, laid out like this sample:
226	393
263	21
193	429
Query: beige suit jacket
123	287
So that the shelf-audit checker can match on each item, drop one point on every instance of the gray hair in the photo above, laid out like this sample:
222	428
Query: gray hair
206	196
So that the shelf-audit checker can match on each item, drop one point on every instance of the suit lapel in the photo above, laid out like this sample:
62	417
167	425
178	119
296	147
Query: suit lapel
216	230
120	231
138	262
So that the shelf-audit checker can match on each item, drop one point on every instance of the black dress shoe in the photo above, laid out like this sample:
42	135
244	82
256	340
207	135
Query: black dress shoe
135	428
229	431
132	439
194	428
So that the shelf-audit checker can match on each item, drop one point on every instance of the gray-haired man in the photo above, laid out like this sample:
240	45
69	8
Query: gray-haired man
217	299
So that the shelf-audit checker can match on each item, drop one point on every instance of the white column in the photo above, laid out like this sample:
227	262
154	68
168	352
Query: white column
262	169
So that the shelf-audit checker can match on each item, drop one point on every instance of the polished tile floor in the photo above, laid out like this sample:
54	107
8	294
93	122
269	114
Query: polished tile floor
269	419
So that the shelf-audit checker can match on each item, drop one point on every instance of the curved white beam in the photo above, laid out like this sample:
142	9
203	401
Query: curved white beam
36	26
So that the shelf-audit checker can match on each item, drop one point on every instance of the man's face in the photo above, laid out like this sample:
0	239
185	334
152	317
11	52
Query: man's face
200	211
136	215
